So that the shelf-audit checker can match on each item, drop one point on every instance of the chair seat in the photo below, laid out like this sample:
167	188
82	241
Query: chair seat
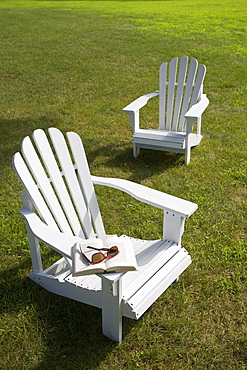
160	262
164	138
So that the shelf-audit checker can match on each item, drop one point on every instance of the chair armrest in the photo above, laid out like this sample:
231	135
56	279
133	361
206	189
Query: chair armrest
112	277
60	242
197	109
150	196
139	103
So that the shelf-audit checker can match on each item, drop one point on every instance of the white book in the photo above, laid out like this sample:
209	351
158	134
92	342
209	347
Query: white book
122	259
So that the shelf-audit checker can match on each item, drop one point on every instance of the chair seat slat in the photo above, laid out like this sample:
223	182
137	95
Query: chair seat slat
144	294
160	135
149	262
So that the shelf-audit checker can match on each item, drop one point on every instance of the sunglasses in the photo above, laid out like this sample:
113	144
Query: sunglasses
99	256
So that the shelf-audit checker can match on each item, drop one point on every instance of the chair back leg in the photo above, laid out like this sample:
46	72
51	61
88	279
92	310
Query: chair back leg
136	150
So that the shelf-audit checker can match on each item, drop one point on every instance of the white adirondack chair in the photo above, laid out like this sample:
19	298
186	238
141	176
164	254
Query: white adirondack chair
181	104
60	208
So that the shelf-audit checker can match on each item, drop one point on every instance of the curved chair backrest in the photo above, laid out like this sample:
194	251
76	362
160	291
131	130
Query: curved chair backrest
58	182
179	91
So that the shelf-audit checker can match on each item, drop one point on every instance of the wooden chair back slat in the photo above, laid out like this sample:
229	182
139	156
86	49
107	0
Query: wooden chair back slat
44	184
198	84
56	177
162	95
188	92
180	95
179	92
85	180
58	181
171	91
67	166
33	191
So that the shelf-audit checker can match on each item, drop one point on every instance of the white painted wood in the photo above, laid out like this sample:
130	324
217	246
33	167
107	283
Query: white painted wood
180	90
60	242
197	109
56	177
141	294
112	309
44	184
136	150
160	262
66	289
149	262
177	96
198	85
34	250
171	90
140	102
71	180
188	92
150	196
173	226
133	109
168	136
162	95
33	191
199	125
86	182
167	277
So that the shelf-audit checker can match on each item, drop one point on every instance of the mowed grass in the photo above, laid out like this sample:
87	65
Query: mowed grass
74	65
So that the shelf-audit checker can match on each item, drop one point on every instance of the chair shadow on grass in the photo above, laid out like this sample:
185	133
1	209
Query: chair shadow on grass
70	331
13	132
147	164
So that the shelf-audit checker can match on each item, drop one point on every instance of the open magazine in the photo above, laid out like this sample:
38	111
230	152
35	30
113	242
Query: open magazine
117	254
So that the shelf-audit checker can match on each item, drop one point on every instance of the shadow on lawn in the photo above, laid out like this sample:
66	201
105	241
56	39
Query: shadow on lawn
70	331
13	132
147	164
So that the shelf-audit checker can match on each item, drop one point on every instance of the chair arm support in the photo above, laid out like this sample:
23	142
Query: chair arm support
150	196
60	242
139	103
197	109
112	277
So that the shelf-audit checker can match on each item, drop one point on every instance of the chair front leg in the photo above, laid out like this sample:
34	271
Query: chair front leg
187	151
112	309
189	127
199	125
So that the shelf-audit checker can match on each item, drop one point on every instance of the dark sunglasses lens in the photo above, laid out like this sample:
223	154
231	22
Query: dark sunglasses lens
113	251
98	257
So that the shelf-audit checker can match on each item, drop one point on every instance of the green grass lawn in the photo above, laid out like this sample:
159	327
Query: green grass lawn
74	65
